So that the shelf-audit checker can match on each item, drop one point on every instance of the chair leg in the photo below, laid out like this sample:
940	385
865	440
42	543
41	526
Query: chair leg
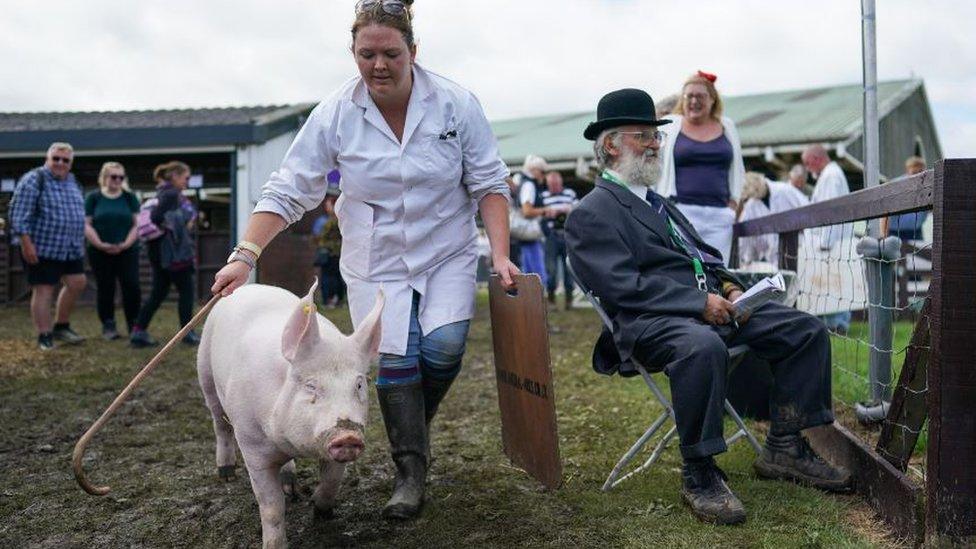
742	427
612	478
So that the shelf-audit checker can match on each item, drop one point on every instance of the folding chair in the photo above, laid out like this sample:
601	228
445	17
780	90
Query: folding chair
735	354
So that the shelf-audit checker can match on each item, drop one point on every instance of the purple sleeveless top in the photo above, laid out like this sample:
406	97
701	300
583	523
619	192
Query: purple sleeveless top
701	171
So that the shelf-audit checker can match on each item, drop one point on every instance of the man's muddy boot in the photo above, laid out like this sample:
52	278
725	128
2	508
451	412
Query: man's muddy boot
403	415
705	491
790	457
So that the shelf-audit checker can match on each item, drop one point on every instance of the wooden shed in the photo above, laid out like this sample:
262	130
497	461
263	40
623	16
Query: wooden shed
230	150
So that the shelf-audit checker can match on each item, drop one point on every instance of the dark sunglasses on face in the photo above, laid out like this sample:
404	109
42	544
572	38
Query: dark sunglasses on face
61	159
116	177
389	7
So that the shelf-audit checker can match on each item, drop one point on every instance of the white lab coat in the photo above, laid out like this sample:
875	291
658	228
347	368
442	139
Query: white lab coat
407	208
831	183
782	197
714	224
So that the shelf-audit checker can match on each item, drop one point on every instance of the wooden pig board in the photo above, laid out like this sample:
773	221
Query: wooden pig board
520	335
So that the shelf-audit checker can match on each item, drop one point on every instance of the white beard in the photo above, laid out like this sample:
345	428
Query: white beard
644	170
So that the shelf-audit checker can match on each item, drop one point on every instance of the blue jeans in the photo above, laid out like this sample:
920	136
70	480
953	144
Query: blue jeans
556	262
437	354
838	322
534	260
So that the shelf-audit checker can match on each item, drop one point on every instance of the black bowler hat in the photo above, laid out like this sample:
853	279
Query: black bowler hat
623	107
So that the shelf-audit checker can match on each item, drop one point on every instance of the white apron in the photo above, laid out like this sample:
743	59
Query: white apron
714	224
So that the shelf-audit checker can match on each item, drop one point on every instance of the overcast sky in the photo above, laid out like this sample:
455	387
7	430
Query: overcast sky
521	57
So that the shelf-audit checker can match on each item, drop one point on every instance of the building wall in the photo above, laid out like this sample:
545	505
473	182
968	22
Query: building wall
907	130
254	166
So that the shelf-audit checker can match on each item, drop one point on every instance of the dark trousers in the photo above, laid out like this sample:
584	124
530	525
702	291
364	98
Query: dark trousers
556	260
694	355
109	269
331	281
161	281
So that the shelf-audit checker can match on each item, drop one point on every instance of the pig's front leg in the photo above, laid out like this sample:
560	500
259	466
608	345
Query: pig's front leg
289	480
330	479
271	499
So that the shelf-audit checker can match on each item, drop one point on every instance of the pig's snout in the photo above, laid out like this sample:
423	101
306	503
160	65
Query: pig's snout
346	446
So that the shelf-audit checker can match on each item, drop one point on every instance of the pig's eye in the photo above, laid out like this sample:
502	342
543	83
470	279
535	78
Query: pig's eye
311	388
361	383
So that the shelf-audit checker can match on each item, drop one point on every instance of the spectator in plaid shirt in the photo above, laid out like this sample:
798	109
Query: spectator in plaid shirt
48	216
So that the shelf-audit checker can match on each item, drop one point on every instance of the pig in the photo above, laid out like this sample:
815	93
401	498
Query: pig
284	382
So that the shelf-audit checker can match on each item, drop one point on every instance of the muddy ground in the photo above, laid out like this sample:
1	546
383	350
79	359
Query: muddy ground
157	454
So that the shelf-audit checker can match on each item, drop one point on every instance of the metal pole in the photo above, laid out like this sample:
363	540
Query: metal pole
878	253
869	52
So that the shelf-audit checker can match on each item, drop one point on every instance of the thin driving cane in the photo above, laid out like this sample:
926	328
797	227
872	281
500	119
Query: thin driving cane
86	438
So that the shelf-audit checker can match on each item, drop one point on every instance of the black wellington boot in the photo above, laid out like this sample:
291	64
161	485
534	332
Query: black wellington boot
403	415
434	392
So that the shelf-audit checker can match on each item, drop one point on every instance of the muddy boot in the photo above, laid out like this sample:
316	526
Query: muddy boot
705	491
552	298
790	457
403	415
569	301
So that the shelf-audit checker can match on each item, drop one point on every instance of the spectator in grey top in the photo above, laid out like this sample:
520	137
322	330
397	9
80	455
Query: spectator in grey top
48	217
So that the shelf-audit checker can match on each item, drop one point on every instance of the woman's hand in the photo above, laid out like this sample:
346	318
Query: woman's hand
231	277
506	270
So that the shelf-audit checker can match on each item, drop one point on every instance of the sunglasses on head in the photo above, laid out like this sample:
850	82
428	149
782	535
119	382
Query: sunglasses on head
389	7
116	177
61	159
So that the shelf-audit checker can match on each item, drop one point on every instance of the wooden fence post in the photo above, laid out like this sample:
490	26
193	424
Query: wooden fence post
951	469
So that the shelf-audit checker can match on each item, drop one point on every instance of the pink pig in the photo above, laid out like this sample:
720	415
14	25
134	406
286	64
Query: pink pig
285	382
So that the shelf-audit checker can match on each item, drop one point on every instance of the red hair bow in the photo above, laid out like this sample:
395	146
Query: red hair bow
708	76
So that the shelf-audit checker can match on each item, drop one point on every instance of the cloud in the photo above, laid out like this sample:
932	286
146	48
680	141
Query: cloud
520	58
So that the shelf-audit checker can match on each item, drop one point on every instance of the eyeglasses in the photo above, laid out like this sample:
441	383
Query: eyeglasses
116	177
702	97
389	7
646	137
61	159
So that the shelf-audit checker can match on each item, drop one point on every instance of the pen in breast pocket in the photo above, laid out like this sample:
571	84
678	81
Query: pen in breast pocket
444	136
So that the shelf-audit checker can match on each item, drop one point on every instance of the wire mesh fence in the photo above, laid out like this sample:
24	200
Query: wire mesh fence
871	295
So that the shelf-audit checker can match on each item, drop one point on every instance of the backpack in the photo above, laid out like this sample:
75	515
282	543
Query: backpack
41	182
144	226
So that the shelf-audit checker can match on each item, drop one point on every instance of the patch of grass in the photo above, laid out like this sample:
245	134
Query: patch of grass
851	356
157	453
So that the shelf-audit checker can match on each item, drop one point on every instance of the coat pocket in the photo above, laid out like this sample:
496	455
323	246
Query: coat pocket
444	158
356	227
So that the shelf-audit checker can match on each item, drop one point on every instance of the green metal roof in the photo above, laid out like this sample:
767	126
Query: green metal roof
798	116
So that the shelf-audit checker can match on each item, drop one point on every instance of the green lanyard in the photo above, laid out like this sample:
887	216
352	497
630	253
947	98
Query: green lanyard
675	237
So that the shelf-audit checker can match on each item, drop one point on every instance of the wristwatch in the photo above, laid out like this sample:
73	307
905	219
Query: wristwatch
238	255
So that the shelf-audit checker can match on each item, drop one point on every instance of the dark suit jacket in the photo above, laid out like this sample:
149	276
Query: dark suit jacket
620	249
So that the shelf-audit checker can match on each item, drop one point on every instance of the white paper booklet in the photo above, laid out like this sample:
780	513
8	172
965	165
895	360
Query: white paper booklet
769	288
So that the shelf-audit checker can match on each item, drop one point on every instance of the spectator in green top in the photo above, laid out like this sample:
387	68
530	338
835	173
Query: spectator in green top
110	227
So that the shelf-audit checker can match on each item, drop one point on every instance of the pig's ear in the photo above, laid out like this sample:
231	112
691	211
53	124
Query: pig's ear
369	332
302	331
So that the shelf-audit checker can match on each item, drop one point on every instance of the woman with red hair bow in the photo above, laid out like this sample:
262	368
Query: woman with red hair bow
703	168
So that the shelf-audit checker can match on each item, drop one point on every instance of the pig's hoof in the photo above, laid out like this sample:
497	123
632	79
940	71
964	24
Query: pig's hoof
323	514
226	473
288	485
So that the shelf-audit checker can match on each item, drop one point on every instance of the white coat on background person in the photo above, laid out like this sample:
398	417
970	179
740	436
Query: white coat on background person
773	197
831	183
406	212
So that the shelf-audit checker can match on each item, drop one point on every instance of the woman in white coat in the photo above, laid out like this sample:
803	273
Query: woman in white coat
703	168
417	158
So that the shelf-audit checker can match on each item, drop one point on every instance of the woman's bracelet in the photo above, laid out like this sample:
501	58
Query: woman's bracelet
249	246
238	255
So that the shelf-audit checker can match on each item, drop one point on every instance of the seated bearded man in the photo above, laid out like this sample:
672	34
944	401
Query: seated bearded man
669	298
